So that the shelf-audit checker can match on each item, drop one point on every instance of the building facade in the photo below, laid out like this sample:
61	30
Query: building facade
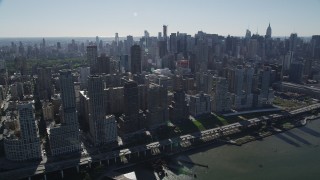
27	146
200	104
136	59
92	55
65	138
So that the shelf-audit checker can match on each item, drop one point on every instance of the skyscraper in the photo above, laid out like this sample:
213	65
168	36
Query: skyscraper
239	75
221	98
44	82
96	107
117	39
157	102
293	43
129	121
296	72
173	43
64	137
83	79
103	64
315	43
135	59
199	104
165	27
268	32
248	34
179	108
92	54
102	129
27	145
265	81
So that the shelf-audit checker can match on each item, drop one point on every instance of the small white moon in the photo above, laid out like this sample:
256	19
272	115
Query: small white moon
135	14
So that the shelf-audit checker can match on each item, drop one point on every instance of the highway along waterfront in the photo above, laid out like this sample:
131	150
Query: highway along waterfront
294	154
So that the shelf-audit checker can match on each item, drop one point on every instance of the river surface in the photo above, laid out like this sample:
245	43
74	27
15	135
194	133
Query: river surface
291	155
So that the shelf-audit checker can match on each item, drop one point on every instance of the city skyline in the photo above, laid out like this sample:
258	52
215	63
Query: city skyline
99	18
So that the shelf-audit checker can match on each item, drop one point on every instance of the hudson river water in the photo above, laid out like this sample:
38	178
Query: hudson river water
291	155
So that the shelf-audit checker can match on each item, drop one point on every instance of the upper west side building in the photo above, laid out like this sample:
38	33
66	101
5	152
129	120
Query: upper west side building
64	138
23	142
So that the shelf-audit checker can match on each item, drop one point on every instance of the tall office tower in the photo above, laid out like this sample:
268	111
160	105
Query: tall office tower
142	94
253	48
248	34
102	128
221	98
68	98
315	45
162	46
103	64
114	100
296	72
239	95
97	40
307	70
165	28
293	42
83	78
201	51
249	71
179	110
266	95
239	75
117	39
135	59
64	138
265	81
288	59
268	32
92	54
129	44
124	63
44	83
44	42
173	43
129	121
146	34
27	145
182	43
157	102
96	108
159	35
247	87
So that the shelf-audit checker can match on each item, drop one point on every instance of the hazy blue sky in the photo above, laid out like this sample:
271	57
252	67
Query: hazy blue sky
60	18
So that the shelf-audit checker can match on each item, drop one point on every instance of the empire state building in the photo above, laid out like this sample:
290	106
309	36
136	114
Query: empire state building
269	31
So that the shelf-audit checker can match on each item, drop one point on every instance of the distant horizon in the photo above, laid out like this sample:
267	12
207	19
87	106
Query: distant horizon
123	37
79	18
